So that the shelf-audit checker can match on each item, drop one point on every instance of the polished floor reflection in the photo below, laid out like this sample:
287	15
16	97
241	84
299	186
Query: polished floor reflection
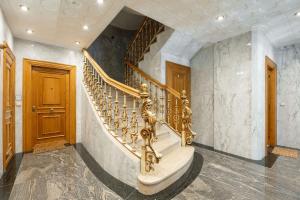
224	177
60	174
64	175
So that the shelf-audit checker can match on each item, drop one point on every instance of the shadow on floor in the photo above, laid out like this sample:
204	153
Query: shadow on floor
128	192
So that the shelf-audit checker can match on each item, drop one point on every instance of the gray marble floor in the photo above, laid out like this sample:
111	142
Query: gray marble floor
59	174
63	175
224	177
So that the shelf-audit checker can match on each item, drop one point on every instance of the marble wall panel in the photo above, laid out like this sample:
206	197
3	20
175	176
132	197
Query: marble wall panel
232	96
109	50
202	84
288	96
110	154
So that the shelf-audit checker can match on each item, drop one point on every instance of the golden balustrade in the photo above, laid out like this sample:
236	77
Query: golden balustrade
144	37
171	107
117	105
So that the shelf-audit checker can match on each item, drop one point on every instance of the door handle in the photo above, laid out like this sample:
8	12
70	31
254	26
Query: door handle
33	108
51	109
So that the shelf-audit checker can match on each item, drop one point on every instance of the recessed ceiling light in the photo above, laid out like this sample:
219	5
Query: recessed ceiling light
100	1
24	8
249	44
297	14
85	27
77	43
220	18
29	31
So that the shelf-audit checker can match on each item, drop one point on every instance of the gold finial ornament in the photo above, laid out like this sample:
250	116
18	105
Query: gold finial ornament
187	134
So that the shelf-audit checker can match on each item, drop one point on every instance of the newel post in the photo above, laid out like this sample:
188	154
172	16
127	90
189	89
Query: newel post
148	155
187	134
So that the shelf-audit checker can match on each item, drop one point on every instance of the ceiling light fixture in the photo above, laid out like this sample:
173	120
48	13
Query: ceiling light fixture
249	44
220	18
24	8
77	43
85	27
100	1
297	14
29	31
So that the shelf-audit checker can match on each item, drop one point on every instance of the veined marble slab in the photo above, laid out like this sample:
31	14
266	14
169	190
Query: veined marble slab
60	174
110	154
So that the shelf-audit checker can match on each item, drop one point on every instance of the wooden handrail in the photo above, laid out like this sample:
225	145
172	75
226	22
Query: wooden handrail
154	81
110	81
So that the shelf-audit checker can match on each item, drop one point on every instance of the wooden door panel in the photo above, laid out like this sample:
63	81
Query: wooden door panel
51	125
50	100
178	78
51	87
8	106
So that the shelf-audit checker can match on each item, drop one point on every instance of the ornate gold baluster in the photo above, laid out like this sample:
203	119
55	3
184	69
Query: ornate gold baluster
133	127
104	105
98	92
100	100
176	115
187	134
156	102
124	121
148	155
162	103
169	108
109	110
116	115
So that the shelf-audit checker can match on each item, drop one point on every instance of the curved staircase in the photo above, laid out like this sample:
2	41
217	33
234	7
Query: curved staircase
142	125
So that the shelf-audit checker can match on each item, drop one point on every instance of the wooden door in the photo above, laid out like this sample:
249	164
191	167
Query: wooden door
178	77
8	105
271	116
50	110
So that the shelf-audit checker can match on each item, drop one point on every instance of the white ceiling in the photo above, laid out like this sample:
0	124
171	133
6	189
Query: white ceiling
60	22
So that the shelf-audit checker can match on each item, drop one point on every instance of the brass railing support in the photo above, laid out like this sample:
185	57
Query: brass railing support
187	134
148	155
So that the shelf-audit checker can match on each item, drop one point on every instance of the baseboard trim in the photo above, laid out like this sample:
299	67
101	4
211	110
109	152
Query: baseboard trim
267	161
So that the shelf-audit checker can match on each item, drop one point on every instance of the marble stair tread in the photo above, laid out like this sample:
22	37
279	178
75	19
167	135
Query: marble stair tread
166	145
160	135
169	165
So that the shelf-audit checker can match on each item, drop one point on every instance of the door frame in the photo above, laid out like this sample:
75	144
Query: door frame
270	65
6	50
28	64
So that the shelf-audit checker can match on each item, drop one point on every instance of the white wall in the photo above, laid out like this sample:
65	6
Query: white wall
221	91
228	94
288	96
261	47
38	51
5	35
202	84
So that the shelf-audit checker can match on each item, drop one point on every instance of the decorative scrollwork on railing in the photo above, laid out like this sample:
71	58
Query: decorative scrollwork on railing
148	155
187	134
101	89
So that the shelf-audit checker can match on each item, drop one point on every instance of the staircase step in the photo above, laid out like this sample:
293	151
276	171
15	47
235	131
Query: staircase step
170	168
166	145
